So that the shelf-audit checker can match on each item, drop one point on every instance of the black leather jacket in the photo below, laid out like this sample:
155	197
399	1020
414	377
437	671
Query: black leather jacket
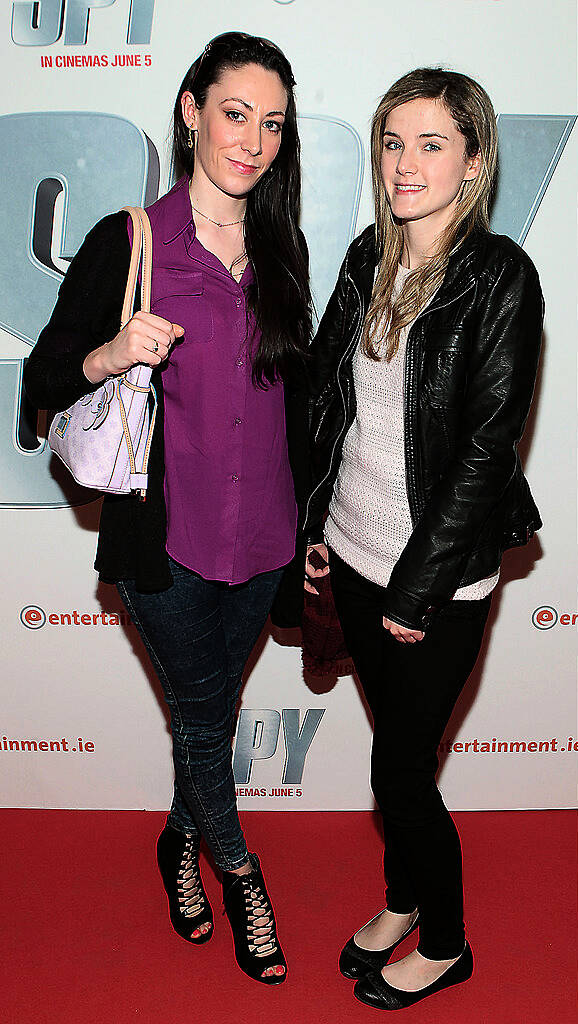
470	369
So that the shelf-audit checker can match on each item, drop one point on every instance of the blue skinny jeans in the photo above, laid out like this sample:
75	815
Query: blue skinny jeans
199	635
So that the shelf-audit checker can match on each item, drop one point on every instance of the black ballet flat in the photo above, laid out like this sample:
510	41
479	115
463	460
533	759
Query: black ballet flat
375	991
189	907
355	962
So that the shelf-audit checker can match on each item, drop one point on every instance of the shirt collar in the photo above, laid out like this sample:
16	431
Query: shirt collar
181	213
182	220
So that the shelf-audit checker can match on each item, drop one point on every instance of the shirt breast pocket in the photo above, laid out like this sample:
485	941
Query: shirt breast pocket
180	297
445	371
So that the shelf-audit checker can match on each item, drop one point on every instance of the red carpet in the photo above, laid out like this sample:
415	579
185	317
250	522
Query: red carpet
87	939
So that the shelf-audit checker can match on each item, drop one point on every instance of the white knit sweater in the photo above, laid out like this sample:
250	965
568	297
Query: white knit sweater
369	521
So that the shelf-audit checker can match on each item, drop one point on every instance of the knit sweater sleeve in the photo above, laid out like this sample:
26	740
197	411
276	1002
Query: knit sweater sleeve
86	315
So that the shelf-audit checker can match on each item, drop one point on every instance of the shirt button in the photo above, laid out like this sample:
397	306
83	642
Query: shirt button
238	301
238	421
234	478
240	362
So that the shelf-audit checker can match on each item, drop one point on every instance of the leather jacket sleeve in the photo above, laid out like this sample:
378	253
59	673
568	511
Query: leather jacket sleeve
327	345
324	353
501	371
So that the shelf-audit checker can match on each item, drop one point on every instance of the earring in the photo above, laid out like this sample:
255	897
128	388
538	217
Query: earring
190	142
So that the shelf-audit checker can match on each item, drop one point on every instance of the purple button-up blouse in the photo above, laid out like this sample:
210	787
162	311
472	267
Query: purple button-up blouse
231	510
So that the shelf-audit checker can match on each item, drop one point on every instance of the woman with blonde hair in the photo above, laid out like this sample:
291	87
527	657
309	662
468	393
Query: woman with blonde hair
423	369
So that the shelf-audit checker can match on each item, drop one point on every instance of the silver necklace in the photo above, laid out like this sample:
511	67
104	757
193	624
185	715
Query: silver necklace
238	259
216	222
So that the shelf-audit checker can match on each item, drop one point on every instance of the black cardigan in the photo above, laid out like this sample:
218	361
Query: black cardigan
132	535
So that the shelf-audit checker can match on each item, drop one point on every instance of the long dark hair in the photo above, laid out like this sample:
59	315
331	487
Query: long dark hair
280	297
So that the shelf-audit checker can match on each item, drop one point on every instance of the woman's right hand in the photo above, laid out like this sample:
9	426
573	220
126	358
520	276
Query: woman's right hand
146	338
317	570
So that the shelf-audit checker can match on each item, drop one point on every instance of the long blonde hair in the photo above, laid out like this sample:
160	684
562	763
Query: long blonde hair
471	108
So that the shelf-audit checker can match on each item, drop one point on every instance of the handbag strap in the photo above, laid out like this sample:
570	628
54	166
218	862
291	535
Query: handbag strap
141	257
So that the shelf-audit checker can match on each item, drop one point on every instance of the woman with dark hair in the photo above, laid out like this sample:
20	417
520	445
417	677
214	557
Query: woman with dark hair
423	372
201	562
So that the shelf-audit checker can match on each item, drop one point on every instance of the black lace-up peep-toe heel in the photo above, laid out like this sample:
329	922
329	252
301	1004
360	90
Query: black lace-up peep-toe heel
189	907
248	907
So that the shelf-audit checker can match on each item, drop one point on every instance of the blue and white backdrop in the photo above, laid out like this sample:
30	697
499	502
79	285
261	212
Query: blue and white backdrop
87	92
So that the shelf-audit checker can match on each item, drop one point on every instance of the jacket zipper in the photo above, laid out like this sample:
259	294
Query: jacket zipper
408	375
414	490
350	348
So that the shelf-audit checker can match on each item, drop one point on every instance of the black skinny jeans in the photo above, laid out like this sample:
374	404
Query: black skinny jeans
411	690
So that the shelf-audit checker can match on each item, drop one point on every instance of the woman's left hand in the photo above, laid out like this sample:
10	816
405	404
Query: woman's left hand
405	636
315	570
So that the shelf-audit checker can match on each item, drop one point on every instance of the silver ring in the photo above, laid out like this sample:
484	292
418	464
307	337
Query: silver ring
156	348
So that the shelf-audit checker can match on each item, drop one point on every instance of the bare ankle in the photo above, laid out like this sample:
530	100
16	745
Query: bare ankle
245	869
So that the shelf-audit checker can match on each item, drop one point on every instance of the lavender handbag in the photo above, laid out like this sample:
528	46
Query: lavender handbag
104	438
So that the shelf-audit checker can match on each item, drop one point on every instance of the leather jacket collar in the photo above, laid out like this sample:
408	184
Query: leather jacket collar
460	273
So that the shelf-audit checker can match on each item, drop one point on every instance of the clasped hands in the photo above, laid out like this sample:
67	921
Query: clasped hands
400	633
